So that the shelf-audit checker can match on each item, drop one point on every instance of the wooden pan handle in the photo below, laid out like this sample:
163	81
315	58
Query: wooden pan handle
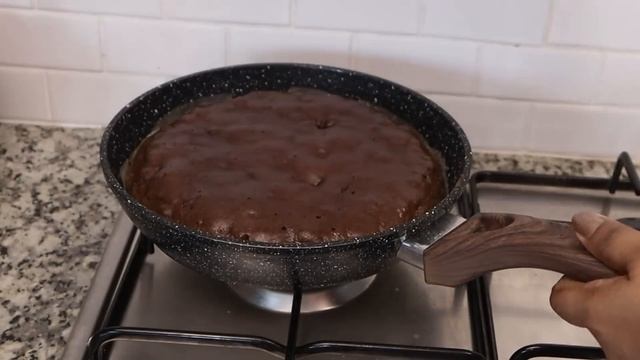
490	242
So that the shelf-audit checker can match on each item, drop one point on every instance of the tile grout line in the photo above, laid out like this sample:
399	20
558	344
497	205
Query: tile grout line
489	150
422	16
479	97
350	54
47	91
39	122
163	10
419	35
101	43
427	92
476	81
86	71
292	5
548	22
596	91
528	128
225	40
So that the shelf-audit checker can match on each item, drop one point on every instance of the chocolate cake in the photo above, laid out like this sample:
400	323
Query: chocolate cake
301	166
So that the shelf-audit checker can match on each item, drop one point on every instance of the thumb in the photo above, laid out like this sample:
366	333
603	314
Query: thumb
569	299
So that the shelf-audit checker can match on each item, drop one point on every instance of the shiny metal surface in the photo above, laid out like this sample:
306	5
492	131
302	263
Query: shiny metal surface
520	297
95	305
312	301
398	308
412	251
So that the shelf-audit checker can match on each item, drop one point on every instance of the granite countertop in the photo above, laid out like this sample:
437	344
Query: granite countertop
56	213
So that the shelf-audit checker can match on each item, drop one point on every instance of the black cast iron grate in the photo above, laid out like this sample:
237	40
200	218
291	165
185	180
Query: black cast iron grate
481	319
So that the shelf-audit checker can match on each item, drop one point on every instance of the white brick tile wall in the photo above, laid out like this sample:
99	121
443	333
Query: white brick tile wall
250	11
58	41
620	80
518	75
627	120
420	63
606	23
287	45
521	21
93	99
160	47
490	124
584	130
120	7
16	3
23	94
539	73
378	16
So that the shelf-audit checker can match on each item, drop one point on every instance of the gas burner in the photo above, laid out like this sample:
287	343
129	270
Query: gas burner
312	301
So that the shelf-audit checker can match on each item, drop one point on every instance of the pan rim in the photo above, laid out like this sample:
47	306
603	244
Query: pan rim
428	217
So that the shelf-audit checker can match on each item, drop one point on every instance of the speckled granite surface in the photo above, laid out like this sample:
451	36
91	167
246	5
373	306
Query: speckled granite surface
55	214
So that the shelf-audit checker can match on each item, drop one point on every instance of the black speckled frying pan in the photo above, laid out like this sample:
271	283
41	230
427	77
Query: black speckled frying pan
484	243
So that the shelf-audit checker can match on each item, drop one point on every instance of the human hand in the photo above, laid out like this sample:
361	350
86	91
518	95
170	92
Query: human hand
609	308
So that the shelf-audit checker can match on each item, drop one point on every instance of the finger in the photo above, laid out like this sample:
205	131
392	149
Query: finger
615	244
586	223
570	299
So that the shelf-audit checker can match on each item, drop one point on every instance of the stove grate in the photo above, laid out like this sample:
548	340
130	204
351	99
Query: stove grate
483	335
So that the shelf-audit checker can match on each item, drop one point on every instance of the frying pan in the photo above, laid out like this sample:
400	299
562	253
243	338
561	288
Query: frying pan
485	242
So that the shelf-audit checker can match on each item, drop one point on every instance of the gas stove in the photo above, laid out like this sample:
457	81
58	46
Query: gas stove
143	305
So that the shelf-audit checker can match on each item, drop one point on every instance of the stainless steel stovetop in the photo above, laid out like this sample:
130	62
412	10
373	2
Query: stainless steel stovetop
398	308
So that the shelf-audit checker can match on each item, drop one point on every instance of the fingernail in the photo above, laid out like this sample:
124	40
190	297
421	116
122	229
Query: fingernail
586	223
